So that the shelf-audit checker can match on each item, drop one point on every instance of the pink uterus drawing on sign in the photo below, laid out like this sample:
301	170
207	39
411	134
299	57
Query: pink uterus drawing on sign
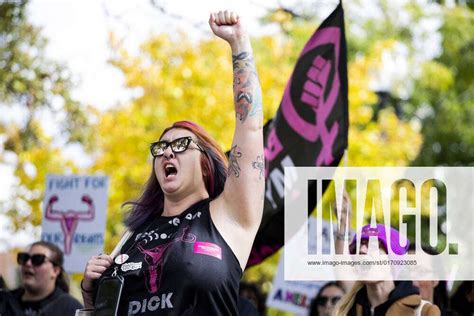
70	218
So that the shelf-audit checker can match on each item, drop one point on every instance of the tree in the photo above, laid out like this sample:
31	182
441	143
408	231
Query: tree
37	90
445	95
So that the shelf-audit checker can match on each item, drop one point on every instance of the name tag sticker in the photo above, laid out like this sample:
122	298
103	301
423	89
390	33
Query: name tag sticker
208	249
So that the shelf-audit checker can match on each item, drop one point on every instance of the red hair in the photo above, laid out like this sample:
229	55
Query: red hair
212	154
214	169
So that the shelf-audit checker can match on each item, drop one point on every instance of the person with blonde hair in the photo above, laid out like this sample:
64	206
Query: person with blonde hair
385	297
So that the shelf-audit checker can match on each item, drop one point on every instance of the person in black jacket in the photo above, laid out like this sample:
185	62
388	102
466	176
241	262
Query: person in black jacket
44	287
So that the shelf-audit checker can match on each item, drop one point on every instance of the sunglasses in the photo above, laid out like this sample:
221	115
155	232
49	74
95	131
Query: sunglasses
323	300
36	259
177	146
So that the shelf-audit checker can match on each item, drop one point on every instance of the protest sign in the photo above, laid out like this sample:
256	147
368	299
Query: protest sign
74	212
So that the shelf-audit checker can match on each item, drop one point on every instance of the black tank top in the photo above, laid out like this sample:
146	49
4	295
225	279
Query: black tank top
178	266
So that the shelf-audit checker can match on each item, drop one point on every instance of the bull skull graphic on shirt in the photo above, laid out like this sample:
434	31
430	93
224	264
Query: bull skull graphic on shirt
154	257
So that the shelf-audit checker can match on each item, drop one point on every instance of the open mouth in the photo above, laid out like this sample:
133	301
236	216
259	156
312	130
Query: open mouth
170	170
28	274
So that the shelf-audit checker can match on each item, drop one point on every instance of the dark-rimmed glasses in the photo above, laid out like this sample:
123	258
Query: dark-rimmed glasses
36	259
323	300
177	146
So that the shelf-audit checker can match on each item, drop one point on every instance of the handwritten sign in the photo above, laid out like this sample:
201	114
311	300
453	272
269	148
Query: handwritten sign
74	212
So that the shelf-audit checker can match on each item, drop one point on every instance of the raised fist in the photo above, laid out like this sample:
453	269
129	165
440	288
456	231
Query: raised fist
228	26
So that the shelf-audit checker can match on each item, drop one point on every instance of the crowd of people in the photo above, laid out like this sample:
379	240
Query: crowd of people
190	233
44	290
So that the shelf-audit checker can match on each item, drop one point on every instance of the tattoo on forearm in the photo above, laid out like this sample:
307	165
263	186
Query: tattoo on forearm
246	86
259	165
234	168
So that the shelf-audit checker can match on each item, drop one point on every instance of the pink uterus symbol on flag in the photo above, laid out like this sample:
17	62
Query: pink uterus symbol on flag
70	218
321	90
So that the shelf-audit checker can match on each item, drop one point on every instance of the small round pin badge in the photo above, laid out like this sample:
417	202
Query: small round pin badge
121	258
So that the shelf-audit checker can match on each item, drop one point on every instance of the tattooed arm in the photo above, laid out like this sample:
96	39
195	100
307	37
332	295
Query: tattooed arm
244	187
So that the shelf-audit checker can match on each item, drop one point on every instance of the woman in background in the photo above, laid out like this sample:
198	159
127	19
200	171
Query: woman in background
328	296
44	284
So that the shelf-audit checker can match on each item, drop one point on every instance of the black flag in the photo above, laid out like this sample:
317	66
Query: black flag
310	127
